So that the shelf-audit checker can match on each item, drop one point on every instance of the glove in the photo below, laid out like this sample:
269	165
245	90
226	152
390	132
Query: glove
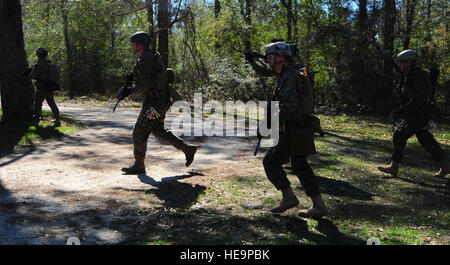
152	114
249	56
129	78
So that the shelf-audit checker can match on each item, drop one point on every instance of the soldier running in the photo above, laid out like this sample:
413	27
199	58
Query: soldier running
151	77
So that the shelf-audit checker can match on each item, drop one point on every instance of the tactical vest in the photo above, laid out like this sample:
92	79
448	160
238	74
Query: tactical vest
157	88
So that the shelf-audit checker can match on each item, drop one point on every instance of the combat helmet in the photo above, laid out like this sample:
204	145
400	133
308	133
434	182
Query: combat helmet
41	52
141	37
280	48
407	55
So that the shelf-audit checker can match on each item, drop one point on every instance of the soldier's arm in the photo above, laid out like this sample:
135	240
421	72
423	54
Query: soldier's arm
36	71
261	69
288	97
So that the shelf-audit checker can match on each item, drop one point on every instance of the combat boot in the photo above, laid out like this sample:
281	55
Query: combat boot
189	151
445	169
288	201
136	169
391	169
57	123
318	210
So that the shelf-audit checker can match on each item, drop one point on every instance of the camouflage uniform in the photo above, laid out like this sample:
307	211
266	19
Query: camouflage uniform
41	73
415	111
151	77
291	117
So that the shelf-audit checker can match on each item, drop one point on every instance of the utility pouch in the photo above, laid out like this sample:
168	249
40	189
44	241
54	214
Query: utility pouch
301	141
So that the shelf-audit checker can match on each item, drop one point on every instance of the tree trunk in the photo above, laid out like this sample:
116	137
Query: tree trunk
288	5
163	30
151	22
308	31
388	48
410	10
216	8
69	56
362	18
247	15
363	28
16	91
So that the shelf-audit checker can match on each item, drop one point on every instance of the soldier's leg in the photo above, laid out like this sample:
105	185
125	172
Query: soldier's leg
51	102
168	137
427	140
273	166
308	180
405	130
305	175
38	100
141	132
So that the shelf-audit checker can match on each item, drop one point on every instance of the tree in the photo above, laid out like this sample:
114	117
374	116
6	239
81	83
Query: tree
410	7
151	22
69	56
290	17
216	8
16	90
163	30
388	48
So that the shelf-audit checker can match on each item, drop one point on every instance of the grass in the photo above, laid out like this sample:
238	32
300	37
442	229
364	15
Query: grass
44	132
412	209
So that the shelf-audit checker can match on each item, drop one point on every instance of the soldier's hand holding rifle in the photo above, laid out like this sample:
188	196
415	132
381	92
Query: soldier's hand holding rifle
125	89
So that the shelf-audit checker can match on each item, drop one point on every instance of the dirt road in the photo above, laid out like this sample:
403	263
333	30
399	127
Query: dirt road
73	187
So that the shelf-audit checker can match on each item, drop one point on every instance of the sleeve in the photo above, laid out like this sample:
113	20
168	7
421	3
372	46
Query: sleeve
288	97
260	69
36	71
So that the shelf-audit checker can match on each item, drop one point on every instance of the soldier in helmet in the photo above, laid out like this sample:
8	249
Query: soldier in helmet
290	91
151	78
41	73
415	110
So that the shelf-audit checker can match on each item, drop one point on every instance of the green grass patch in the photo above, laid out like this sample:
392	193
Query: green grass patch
44	132
411	209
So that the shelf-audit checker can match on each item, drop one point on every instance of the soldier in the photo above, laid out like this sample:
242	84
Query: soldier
151	77
294	118
41	73
415	110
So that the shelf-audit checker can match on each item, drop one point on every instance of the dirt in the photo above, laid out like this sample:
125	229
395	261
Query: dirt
73	187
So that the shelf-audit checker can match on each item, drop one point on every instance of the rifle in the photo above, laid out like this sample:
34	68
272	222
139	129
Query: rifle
257	146
124	90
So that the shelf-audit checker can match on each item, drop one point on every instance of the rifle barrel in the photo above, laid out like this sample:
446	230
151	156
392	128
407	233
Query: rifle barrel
115	106
257	147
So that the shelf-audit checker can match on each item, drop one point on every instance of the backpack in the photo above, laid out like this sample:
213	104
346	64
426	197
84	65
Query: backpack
173	93
305	99
53	82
